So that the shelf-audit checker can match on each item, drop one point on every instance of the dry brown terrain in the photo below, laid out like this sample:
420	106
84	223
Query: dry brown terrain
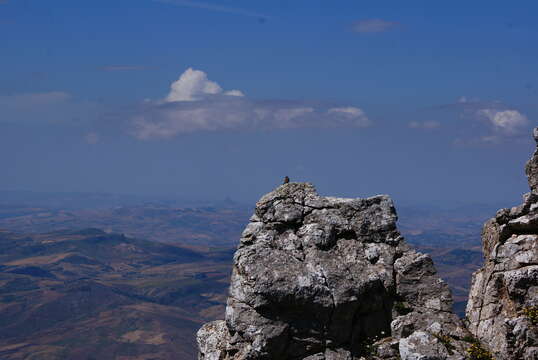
91	295
72	294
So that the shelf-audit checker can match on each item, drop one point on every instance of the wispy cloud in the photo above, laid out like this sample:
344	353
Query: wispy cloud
372	26
214	7
123	68
504	121
194	85
488	121
196	104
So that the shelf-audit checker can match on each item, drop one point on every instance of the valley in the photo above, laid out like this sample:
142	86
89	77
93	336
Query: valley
137	281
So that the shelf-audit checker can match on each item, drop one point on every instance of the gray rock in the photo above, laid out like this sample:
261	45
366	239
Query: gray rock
422	345
212	339
505	289
324	278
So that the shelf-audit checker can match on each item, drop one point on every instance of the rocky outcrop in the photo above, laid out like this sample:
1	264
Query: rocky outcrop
330	278
503	302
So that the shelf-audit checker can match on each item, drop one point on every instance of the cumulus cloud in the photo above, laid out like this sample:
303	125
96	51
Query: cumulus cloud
505	121
488	121
499	118
428	124
370	26
196	103
194	85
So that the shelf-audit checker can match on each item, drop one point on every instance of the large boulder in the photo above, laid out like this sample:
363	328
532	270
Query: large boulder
503	302
330	278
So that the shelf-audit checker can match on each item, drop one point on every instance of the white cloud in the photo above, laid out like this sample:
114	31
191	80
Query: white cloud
487	121
196	103
350	110
286	118
170	120
194	85
349	114
373	26
234	93
428	124
505	121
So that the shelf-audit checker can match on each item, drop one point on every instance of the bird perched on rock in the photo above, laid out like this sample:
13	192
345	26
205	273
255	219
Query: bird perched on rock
286	180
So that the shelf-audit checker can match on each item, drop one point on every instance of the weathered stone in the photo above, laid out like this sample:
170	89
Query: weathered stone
422	345
325	278
212	339
506	287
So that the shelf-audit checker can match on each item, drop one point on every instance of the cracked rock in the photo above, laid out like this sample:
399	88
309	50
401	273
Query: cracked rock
324	278
504	292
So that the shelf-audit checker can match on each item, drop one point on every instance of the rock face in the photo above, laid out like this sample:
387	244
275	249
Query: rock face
329	278
503	303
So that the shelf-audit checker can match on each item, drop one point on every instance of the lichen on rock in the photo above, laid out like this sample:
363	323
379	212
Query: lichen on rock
329	278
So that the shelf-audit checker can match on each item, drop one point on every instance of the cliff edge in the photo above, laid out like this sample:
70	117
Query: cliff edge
330	278
503	302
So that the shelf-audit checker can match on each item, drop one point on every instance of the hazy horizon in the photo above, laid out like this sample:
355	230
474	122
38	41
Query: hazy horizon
429	103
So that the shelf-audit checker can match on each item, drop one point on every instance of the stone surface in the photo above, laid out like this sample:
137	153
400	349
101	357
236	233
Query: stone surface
507	285
330	279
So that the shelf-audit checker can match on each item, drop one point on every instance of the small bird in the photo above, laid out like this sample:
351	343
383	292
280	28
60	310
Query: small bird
286	180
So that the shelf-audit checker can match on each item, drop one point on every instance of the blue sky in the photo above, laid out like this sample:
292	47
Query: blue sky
430	102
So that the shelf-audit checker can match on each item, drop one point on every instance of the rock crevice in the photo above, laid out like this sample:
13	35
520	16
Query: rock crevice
331	278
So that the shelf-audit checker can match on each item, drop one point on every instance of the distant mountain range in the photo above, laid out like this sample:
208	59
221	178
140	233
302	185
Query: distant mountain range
202	226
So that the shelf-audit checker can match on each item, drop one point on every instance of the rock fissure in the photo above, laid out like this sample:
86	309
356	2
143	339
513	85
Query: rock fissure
320	278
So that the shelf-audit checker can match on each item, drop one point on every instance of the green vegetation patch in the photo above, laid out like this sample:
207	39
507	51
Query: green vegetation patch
469	339
531	313
446	341
401	308
477	352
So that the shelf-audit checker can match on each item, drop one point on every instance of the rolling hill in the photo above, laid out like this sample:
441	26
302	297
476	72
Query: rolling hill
92	295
